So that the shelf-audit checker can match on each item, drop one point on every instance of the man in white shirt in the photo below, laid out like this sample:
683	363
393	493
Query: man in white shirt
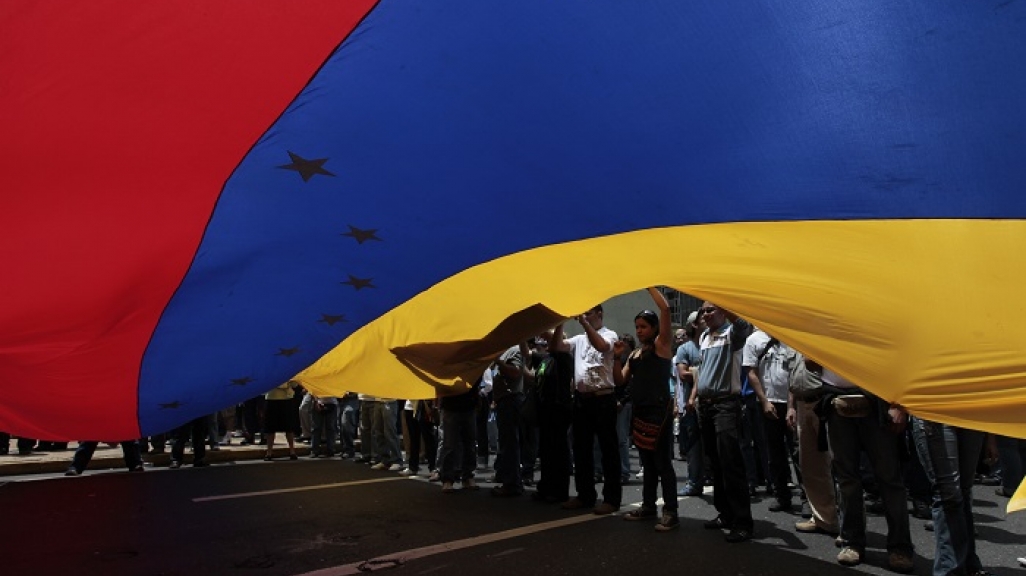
594	411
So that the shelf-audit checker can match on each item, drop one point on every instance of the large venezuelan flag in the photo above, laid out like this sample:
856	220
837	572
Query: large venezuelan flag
202	200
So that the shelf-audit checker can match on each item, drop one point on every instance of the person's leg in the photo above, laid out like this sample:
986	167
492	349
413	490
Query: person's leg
317	417
846	443
83	454
306	416
623	435
663	463
1011	459
882	447
584	455
413	429
130	452
390	413
605	430
467	433
707	417
331	430
650	481
817	479
776	447
735	481
507	461
937	448
200	426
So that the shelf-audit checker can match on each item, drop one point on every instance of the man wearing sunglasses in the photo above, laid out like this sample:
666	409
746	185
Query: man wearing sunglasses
718	393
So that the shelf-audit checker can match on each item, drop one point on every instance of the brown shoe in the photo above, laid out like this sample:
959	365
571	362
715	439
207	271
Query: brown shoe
605	509
900	561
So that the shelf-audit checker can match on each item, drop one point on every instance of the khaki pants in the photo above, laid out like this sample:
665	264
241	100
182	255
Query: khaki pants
815	465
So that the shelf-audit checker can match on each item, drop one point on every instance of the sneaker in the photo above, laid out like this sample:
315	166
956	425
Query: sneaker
470	484
667	523
900	561
1004	493
690	489
395	467
434	477
137	468
810	527
738	535
716	523
379	466
1021	561
574	503
447	487
928	526
605	509
849	556
407	472
175	464
778	506
642	513
72	472
988	480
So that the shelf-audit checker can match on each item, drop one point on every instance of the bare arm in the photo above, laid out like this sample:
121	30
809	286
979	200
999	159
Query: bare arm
594	337
558	343
663	342
760	393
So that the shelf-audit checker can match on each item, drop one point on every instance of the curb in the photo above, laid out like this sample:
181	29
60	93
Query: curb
150	460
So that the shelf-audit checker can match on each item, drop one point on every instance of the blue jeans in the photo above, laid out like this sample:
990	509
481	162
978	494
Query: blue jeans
848	438
459	440
386	437
349	417
949	455
324	420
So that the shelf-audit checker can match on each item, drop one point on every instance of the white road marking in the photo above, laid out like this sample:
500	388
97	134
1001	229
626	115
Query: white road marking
297	489
400	558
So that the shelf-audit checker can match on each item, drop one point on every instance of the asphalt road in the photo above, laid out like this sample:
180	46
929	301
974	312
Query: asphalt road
336	517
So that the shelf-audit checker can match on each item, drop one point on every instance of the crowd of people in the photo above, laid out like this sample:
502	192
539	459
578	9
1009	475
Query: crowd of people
718	393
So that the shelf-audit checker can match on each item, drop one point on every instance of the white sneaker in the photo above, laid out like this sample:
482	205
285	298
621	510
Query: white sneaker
408	472
379	466
395	467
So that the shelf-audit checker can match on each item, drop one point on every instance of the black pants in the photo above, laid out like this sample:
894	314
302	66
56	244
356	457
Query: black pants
595	416
778	446
554	452
420	429
658	463
721	427
197	430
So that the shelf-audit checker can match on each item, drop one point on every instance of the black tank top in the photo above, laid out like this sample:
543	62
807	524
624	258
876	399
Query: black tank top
650	379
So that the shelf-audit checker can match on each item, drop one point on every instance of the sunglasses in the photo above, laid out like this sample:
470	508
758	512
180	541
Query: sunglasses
707	310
